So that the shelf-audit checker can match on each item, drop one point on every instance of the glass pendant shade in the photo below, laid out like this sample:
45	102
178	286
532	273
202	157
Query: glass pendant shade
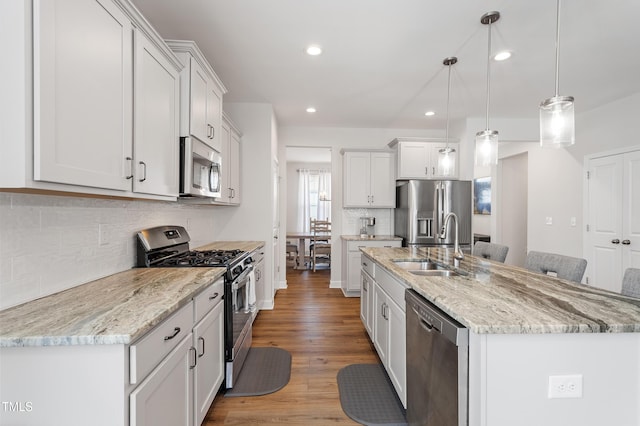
487	148
446	161
557	122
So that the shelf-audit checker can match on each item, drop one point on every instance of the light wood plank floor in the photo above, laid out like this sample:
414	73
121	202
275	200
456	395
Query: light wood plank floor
322	330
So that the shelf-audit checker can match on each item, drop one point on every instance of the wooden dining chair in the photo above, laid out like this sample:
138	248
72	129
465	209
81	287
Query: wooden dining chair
320	247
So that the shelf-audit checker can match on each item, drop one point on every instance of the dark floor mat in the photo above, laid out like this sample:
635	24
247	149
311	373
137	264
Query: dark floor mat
265	370
368	397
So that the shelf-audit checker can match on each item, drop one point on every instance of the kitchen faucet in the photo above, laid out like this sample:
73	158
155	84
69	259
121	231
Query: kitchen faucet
457	253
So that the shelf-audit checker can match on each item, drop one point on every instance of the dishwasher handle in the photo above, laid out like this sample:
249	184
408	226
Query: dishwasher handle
429	324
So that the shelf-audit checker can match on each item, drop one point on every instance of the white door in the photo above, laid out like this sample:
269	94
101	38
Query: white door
414	160
275	253
512	214
631	211
612	239
82	93
156	142
214	116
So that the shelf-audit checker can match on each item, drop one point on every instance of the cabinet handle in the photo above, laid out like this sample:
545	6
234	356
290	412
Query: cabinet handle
364	264
626	242
216	294
193	351
175	333
615	241
130	160
201	340
144	170
213	132
434	171
426	171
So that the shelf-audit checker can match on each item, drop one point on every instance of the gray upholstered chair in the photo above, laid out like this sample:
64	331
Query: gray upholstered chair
631	282
565	267
491	251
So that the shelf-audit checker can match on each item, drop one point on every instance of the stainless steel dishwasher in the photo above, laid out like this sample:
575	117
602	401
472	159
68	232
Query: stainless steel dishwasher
437	365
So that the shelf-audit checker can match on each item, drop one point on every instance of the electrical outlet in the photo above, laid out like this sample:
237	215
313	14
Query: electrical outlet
103	235
548	220
569	386
573	221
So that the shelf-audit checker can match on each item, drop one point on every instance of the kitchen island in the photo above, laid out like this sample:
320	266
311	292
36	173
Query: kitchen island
525	327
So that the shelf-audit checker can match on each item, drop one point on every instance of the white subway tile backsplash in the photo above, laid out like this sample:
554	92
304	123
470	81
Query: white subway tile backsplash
51	243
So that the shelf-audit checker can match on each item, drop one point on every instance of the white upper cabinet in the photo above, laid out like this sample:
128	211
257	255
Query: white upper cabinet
419	159
75	126
201	93
83	54
157	96
368	179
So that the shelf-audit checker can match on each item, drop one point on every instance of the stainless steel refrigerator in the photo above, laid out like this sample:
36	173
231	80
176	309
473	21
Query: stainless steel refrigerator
421	206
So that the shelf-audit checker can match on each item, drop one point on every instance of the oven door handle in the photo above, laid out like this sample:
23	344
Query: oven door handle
241	279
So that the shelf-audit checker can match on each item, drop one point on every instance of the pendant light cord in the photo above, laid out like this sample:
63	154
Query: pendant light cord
448	97
558	49
488	74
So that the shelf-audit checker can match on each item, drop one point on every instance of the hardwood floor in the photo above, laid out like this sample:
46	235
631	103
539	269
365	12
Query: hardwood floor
323	331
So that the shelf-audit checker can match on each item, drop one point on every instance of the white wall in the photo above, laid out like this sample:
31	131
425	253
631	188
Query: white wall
345	221
52	243
253	219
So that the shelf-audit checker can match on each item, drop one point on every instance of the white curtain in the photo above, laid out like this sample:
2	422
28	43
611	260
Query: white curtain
314	197
324	191
304	201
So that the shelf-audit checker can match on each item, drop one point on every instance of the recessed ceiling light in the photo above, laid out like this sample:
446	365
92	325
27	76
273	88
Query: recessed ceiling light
311	109
429	113
501	56
314	50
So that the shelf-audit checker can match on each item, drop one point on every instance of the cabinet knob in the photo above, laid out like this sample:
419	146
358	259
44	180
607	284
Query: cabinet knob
626	242
615	241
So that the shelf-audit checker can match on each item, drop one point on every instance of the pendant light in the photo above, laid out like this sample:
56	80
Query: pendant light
557	113
487	140
446	159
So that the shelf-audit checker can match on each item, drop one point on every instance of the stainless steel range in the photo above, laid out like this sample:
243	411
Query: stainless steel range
168	247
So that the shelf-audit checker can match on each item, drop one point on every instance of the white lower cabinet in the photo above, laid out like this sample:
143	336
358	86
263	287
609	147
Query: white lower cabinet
164	397
351	262
387	312
208	339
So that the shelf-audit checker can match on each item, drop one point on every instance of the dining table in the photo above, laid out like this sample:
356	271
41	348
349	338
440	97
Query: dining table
301	237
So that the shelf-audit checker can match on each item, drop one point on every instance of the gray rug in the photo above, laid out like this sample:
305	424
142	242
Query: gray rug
368	397
265	370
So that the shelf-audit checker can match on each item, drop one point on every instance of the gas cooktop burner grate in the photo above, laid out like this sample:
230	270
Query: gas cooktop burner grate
202	258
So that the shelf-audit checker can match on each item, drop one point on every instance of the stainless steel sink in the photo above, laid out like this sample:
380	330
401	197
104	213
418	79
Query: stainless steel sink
425	267
435	272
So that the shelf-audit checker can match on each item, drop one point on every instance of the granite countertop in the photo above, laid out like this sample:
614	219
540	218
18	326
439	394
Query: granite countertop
233	245
371	238
117	309
493	298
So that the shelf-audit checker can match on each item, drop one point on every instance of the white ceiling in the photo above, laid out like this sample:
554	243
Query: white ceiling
382	61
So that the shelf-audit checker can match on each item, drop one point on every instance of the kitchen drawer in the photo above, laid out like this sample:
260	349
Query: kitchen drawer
355	245
368	265
394	288
206	300
155	345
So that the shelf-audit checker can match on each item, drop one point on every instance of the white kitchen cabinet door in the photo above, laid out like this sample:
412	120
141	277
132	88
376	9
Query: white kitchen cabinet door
164	398
234	167
82	93
156	141
225	153
396	359
383	193
357	179
208	337
381	323
414	160
198	125
367	303
352	286
214	116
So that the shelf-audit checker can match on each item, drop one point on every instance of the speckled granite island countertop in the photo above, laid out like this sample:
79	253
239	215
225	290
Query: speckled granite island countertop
117	309
371	238
494	298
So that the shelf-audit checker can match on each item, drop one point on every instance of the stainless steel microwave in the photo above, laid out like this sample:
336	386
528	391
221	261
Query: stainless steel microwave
200	169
